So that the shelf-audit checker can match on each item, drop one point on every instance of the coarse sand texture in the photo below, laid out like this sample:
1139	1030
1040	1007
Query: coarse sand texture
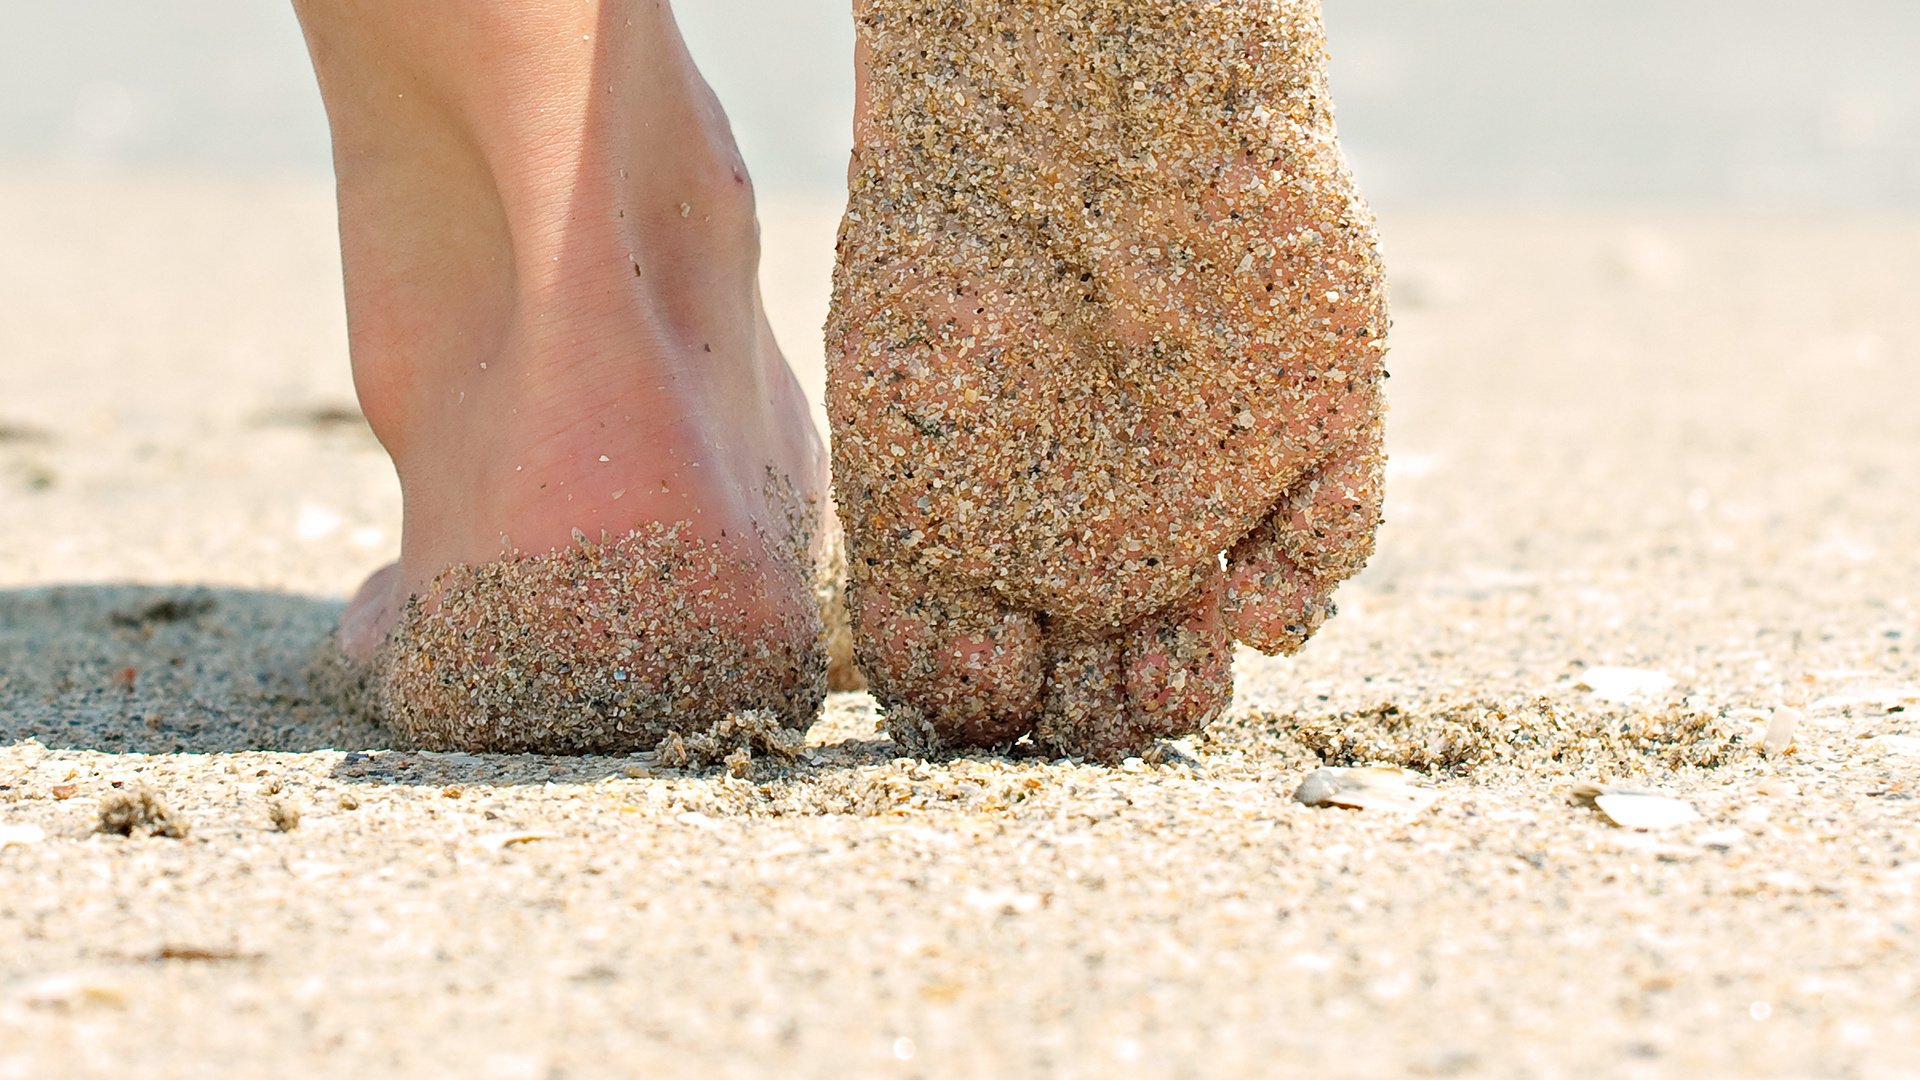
611	645
1107	306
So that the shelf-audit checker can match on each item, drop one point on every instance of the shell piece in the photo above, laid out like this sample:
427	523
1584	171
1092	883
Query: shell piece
502	840
1907	745
1624	683
1375	787
1643	811
21	835
75	990
1646	812
1780	730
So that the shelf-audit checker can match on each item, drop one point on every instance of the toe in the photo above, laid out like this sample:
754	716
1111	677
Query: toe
1281	576
1165	676
1086	700
371	615
950	672
1179	668
1271	603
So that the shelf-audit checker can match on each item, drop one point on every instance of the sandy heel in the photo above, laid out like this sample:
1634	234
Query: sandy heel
603	647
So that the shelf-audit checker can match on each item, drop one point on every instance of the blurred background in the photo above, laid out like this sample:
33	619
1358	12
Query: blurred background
1744	104
1578	201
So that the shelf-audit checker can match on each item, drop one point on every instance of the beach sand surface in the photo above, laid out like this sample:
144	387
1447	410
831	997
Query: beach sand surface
1652	487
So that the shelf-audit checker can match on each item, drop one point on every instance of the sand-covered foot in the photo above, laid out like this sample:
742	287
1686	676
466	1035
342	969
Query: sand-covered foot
606	645
1105	355
614	497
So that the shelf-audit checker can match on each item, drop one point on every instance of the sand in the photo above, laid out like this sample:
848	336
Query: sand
1653	457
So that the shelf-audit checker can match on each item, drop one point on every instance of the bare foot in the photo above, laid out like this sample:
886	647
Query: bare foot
1108	307
612	488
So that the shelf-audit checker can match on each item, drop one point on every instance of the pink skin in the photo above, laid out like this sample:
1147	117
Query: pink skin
551	276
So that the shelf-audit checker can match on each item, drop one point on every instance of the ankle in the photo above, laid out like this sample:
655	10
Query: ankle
573	197
463	268
618	370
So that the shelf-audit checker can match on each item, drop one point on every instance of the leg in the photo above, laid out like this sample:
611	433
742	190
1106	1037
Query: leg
1107	305
610	483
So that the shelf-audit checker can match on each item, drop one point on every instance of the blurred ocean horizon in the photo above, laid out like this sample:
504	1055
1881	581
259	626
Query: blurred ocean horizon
1760	105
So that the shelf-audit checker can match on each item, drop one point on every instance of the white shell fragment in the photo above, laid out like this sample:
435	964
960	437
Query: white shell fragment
1374	787
1882	698
503	840
74	991
1002	901
22	835
1780	728
1624	683
1907	745
1644	811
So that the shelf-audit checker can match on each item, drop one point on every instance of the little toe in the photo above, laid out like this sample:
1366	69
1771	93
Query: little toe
950	672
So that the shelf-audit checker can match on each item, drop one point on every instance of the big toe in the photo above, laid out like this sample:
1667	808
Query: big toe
1270	601
951	672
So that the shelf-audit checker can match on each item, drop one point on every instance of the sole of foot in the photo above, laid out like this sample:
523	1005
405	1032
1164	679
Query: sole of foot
1105	358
